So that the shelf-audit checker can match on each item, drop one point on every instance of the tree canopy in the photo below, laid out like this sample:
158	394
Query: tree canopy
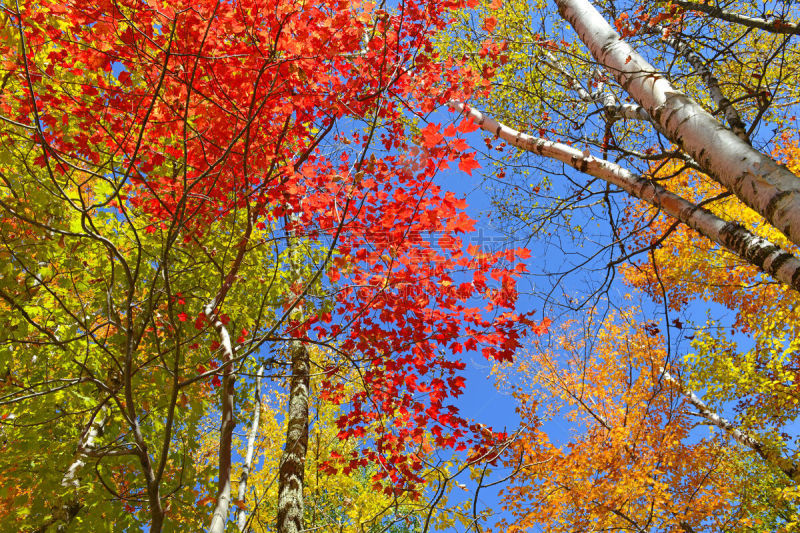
238	294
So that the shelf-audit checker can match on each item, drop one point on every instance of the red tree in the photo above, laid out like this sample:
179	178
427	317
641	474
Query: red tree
196	118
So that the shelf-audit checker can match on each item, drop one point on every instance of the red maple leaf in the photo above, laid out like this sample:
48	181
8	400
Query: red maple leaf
467	126
431	136
467	163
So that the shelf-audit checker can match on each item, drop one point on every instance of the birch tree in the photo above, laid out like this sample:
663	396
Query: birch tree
716	84
635	128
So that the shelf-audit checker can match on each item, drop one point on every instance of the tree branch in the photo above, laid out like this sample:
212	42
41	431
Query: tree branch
699	64
771	457
777	25
759	252
757	180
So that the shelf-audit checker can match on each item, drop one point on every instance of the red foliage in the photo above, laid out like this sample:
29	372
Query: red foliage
201	108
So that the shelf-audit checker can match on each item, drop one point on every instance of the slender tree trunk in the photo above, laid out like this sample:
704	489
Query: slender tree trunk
227	424
241	515
292	467
70	506
87	444
771	457
757	180
606	98
759	252
772	26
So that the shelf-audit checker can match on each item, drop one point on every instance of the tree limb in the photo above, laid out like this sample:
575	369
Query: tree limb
768	188
773	26
771	457
720	100
759	252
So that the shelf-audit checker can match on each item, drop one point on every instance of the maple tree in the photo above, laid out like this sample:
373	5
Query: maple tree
747	362
190	188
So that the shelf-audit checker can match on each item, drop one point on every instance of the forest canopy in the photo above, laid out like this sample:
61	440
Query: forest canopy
244	287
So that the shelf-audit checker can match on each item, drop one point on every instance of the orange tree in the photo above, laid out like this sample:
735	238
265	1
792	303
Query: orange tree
625	458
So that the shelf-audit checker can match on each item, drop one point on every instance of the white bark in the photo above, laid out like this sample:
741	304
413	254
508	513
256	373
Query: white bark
773	26
605	98
769	456
720	100
757	180
759	252
227	424
241	515
86	445
69	507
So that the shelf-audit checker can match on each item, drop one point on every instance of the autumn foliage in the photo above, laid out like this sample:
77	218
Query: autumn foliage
198	198
232	176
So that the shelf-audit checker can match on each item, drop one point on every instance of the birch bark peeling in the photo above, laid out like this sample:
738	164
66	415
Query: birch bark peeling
759	252
292	468
757	180
772	458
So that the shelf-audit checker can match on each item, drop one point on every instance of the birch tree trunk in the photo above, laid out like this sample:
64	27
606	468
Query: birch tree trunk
70	507
292	467
699	65
765	255
95	429
771	457
241	515
227	424
754	178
